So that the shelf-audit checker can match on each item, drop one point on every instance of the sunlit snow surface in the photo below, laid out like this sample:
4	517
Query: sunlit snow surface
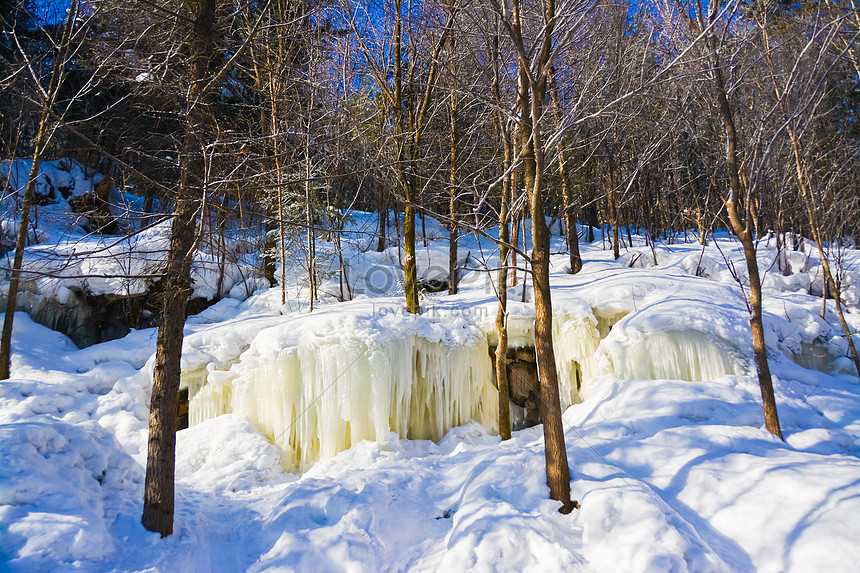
668	453
62	256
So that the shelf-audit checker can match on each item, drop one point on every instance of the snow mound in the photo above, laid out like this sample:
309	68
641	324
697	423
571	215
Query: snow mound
226	452
62	487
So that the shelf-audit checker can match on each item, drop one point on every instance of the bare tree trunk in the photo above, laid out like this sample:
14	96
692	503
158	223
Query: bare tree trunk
309	218
557	469
524	295
43	137
382	207
502	314
613	211
743	231
410	263
453	256
502	317
572	236
160	463
533	90
409	174
407	179
515	227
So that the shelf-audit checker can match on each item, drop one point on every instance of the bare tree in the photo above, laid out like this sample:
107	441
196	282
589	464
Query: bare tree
47	97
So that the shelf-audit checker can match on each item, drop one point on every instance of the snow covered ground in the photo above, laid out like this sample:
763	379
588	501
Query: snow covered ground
669	456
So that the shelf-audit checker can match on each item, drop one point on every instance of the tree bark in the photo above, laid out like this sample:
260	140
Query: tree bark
158	502
532	91
571	235
502	314
405	172
743	231
453	255
502	323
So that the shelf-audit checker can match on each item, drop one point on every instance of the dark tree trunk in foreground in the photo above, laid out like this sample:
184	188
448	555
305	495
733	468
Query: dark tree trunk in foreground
557	469
532	91
160	462
742	228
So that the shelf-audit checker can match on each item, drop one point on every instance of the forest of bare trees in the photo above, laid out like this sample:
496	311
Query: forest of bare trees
664	118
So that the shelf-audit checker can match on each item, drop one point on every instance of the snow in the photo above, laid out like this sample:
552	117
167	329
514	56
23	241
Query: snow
63	257
669	457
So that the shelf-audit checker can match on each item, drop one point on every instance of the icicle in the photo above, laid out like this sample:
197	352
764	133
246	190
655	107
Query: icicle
575	341
318	401
674	355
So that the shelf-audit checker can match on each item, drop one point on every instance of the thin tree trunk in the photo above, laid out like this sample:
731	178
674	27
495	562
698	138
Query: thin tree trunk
524	295
502	314
744	233
410	266
571	236
613	212
407	179
515	228
279	197
43	137
309	219
453	256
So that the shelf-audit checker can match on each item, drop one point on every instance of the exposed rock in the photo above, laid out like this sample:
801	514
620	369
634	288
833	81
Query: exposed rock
95	206
523	387
89	319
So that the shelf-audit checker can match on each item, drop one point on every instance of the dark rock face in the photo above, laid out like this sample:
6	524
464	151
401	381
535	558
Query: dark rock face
523	387
89	319
95	207
432	285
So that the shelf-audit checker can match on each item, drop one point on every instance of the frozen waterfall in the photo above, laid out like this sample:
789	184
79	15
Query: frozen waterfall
317	399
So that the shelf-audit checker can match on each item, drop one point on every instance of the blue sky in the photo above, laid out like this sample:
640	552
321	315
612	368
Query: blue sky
50	11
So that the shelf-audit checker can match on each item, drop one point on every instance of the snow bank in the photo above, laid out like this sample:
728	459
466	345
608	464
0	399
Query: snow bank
227	453
62	486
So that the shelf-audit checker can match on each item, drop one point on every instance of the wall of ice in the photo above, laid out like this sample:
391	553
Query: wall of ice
587	345
319	398
317	401
674	354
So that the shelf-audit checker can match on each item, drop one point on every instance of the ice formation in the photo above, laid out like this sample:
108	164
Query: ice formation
575	342
673	354
317	401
